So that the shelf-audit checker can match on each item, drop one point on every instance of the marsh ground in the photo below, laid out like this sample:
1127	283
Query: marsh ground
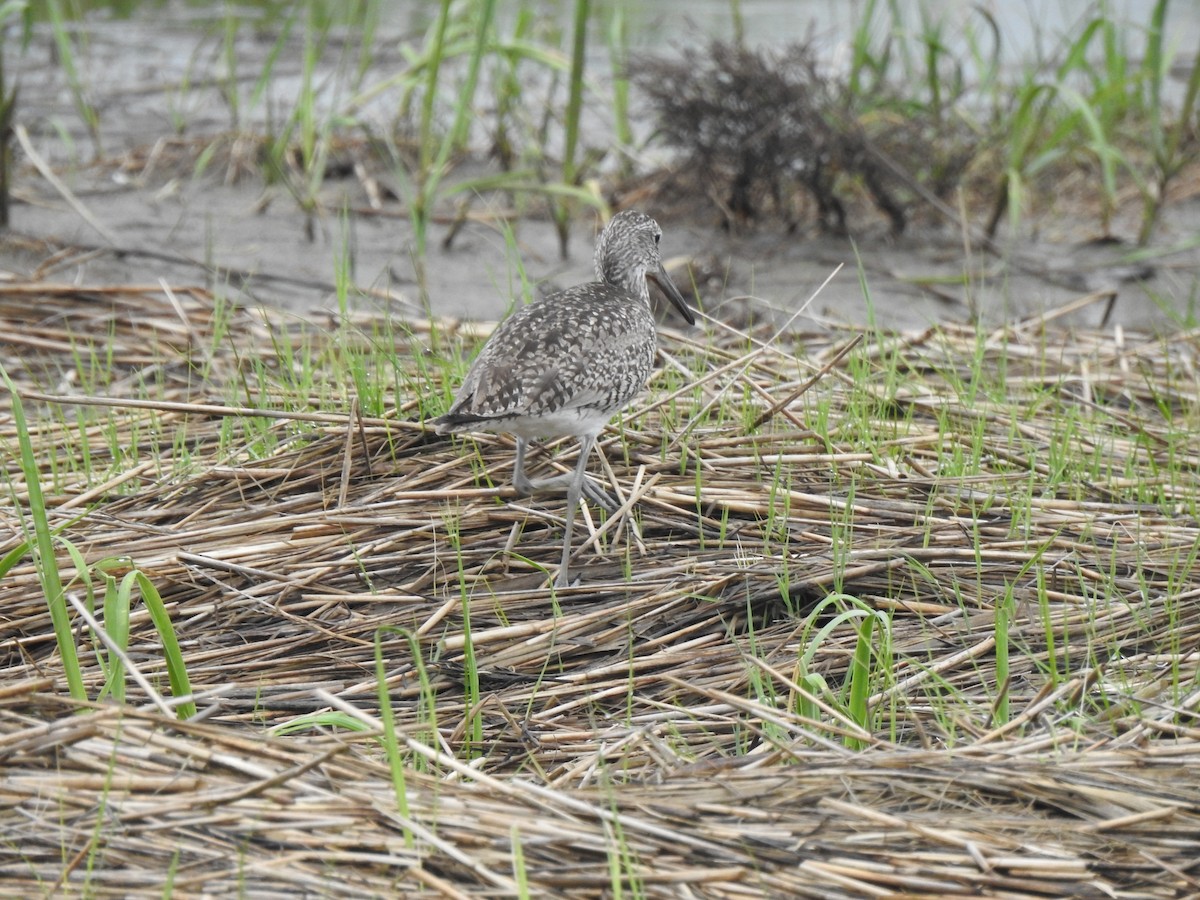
156	84
890	608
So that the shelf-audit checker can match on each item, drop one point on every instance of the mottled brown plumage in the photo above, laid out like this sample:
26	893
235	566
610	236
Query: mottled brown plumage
567	363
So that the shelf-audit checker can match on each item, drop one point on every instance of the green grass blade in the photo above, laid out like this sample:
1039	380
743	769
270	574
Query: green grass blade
14	556
1004	612
116	623
421	200
391	742
464	111
860	680
520	872
176	669
44	555
570	172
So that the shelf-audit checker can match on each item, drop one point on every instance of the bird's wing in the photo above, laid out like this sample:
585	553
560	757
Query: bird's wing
540	358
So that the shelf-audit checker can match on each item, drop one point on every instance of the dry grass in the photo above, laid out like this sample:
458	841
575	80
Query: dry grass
641	734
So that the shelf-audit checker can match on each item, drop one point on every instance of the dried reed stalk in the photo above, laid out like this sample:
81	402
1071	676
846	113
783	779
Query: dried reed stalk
650	718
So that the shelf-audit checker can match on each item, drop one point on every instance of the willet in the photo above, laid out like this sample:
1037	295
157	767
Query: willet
567	363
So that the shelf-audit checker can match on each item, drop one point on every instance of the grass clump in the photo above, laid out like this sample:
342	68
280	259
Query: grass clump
926	108
112	637
756	123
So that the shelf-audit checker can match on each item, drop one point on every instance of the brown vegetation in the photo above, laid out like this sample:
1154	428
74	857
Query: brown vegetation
755	124
643	730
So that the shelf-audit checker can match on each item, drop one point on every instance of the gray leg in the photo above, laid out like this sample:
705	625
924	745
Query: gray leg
520	482
573	492
525	486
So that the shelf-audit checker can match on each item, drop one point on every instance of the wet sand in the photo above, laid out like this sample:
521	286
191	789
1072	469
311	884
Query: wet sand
160	221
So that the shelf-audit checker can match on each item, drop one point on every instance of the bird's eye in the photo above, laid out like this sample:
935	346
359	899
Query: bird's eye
657	236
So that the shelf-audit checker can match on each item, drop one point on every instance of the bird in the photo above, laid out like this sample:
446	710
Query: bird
565	364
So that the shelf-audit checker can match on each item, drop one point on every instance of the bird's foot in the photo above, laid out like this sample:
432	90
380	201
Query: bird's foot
591	489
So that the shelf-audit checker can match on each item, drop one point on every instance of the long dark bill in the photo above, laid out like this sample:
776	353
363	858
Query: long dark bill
660	277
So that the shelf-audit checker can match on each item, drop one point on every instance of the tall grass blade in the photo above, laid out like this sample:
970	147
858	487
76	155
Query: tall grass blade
618	55
570	171
116	623
422	200
44	555
1004	613
176	669
1166	141
859	678
66	58
391	740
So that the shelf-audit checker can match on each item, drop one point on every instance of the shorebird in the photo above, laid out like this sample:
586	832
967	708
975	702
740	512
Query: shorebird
567	363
